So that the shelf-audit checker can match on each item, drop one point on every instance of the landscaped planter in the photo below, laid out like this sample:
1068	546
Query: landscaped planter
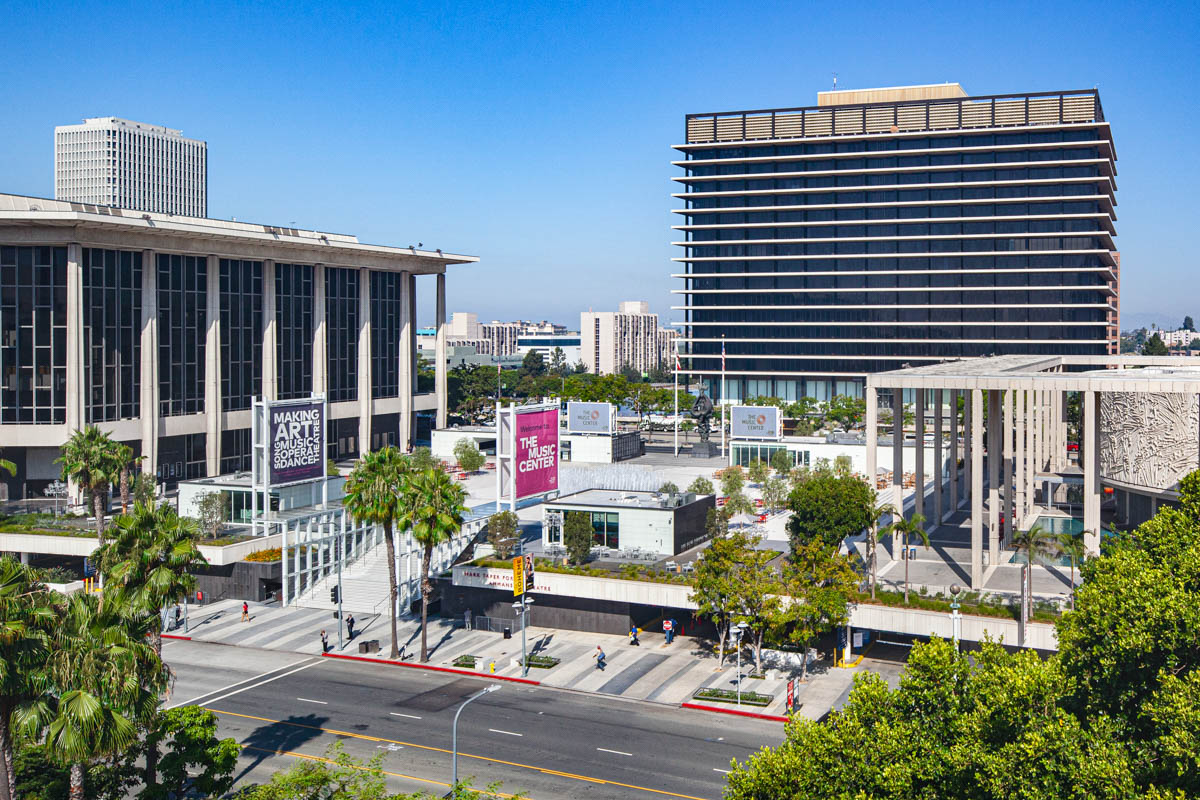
731	696
542	662
466	662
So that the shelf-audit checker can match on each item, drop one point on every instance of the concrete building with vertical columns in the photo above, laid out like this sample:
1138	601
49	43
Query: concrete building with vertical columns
1139	435
161	330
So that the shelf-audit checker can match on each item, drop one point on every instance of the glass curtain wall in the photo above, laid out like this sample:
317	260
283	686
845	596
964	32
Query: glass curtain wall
182	327
294	329
341	330
112	326
241	327
33	335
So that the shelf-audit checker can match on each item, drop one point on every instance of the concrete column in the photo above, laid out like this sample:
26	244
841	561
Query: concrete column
953	450
919	455
994	450
898	453
407	363
270	353
1062	431
1006	500
320	352
365	401
148	369
439	348
212	369
1091	475
76	411
939	462
1019	456
976	445
968	443
1039	432
1030	450
871	396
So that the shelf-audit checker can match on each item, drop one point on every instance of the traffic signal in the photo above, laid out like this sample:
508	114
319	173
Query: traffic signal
333	595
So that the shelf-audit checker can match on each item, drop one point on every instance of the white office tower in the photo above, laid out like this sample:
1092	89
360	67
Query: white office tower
115	162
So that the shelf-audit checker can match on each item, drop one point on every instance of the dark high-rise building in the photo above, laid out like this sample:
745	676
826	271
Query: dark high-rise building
888	227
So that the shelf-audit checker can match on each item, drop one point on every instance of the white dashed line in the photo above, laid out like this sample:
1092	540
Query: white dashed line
721	770
398	714
506	733
615	752
306	700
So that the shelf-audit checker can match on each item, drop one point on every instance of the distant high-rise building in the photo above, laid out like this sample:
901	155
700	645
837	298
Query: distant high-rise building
886	227
108	161
628	337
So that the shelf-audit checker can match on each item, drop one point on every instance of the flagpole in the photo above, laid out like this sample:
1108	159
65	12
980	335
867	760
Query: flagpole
723	403
676	397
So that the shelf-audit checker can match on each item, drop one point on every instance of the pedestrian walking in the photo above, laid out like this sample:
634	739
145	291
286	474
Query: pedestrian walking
633	637
324	642
599	656
178	616
245	611
350	626
467	619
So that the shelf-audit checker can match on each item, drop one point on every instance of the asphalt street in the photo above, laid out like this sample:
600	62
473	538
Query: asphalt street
544	743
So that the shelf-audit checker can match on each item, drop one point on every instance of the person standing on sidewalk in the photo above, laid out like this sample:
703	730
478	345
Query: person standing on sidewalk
633	636
245	611
668	629
324	642
350	626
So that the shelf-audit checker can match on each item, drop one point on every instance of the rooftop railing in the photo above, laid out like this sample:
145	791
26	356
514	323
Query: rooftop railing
947	114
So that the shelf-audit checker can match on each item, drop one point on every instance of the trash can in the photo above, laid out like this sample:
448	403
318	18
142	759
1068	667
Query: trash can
508	633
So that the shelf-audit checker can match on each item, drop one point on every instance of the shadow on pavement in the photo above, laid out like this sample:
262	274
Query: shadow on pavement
287	734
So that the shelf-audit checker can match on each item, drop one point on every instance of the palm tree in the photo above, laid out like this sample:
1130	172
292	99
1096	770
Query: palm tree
26	614
1037	544
8	466
148	563
94	460
124	476
1075	550
874	536
906	528
106	680
434	510
374	491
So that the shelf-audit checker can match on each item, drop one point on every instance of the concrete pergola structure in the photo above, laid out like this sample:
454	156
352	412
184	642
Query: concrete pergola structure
1026	399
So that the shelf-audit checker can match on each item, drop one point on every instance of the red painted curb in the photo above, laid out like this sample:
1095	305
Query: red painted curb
472	673
174	636
734	711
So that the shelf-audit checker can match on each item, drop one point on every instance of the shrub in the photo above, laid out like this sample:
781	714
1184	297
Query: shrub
502	532
468	455
701	486
668	488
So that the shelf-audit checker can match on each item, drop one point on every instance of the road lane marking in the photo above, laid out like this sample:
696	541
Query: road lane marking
306	700
617	752
721	770
307	757
506	733
196	700
398	714
312	663
365	737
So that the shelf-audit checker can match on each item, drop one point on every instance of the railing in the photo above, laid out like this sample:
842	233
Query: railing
495	624
993	111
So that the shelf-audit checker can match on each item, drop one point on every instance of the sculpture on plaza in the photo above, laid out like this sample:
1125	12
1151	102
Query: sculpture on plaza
702	411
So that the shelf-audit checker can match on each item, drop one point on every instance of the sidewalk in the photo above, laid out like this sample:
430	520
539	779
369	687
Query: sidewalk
654	672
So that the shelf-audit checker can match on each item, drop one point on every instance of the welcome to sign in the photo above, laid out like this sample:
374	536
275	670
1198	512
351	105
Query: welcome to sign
296	447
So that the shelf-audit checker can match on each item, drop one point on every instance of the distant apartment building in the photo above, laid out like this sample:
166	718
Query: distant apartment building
627	337
107	161
1177	339
546	343
886	227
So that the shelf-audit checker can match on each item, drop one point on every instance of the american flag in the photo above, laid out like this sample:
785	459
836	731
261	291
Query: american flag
677	367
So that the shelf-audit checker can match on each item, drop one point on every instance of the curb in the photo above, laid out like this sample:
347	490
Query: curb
433	668
175	636
735	712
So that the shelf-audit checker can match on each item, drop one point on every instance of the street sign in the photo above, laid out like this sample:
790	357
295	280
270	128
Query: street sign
791	695
518	576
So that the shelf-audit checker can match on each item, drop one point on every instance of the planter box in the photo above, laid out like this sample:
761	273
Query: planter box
465	662
730	696
541	662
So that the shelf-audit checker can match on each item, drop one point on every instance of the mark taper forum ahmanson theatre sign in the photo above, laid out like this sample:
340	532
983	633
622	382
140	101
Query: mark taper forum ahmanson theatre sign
297	448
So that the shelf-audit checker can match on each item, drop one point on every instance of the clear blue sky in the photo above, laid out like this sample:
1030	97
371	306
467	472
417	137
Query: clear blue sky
537	136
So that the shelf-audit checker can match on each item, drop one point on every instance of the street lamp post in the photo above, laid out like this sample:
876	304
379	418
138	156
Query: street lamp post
739	631
523	606
454	732
955	616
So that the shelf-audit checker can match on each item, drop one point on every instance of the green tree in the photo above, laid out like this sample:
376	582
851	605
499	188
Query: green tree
738	503
421	458
93	460
782	462
819	583
1188	325
757	601
502	531
874	536
577	536
434	510
1037	545
196	760
714	584
774	493
533	363
212	512
732	480
846	411
8	466
124	475
143	488
913	527
758	471
701	485
374	495
468	455
668	488
558	362
829	507
1073	548
1155	346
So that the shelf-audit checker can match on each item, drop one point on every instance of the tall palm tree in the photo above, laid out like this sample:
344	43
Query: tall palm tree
434	510
874	536
149	563
26	614
1075	550
374	492
1037	544
106	680
914	526
8	466
125	475
94	460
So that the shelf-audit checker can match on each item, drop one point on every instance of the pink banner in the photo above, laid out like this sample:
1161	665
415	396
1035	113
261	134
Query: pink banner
537	453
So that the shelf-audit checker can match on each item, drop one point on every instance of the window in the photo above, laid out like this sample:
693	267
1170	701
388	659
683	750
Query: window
341	331
294	329
112	333
33	335
182	326
241	327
